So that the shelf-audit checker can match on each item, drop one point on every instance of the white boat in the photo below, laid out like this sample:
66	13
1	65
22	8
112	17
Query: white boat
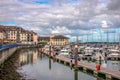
114	50
88	51
88	54
114	53
64	52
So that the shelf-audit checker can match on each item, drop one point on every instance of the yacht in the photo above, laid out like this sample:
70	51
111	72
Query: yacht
88	51
64	52
114	53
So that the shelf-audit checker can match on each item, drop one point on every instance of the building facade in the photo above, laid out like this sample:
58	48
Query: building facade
35	38
58	40
55	40
23	37
44	39
14	34
2	36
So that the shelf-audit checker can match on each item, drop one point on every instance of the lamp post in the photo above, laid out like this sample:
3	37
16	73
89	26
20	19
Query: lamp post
76	56
49	63
50	50
75	74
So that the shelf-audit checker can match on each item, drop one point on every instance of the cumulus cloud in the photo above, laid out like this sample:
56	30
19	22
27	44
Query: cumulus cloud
60	30
69	17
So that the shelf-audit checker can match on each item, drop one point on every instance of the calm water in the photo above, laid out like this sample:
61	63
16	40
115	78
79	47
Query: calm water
36	66
115	65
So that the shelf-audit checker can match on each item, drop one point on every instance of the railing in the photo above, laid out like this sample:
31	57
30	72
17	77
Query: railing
2	47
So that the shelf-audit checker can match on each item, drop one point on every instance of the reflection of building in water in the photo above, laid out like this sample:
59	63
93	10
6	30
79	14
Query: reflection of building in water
35	57
28	58
23	59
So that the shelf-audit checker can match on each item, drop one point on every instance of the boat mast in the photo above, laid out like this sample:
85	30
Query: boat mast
119	38
107	37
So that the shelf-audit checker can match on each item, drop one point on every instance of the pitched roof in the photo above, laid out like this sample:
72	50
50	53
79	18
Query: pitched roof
60	37
44	38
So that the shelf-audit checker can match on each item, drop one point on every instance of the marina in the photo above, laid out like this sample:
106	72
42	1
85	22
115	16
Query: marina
59	40
109	69
105	71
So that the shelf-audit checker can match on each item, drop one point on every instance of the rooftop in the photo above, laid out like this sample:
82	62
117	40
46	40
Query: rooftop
60	37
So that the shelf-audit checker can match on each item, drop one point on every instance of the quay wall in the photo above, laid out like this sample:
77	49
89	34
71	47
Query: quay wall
6	53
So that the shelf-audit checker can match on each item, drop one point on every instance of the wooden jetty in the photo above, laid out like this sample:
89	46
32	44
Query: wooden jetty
86	67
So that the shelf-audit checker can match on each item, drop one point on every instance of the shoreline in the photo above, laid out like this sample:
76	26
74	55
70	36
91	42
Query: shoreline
8	70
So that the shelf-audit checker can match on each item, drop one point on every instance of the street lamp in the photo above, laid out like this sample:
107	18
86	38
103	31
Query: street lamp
76	56
76	74
50	50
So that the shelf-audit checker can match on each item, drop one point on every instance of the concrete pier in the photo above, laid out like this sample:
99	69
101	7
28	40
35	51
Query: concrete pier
86	67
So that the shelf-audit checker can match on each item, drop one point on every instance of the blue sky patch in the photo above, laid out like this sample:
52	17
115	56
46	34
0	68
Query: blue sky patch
8	23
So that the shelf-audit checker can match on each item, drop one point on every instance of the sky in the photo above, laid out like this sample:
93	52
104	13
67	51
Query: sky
90	20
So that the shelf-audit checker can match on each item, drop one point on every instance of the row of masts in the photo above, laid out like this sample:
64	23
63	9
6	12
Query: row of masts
99	38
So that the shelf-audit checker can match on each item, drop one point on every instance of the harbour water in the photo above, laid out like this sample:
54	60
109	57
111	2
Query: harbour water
36	66
114	65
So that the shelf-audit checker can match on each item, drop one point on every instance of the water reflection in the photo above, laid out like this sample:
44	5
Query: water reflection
106	64
39	67
76	74
97	79
28	57
40	56
50	63
111	64
114	65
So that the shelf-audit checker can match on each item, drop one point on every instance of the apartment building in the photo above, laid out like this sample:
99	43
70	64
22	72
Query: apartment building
32	37
13	33
28	37
18	35
24	37
2	36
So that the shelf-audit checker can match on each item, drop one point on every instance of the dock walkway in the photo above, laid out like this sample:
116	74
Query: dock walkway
86	67
108	72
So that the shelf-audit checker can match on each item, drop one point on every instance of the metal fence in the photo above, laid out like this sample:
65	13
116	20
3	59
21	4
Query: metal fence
9	46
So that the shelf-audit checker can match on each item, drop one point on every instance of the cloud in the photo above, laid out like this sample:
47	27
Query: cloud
114	5
69	17
60	30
